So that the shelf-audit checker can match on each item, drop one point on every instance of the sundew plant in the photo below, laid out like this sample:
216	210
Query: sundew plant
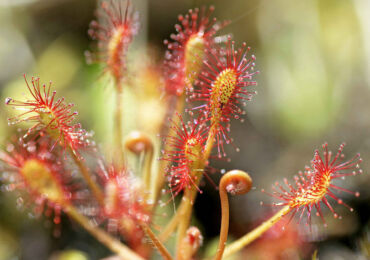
135	192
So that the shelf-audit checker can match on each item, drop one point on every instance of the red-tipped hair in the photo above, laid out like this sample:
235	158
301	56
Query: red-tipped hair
114	31
185	55
314	186
185	146
222	89
51	116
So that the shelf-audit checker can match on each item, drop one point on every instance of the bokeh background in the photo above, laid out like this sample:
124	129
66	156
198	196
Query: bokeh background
314	86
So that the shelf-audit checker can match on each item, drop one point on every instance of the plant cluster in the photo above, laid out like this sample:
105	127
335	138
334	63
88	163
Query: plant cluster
206	82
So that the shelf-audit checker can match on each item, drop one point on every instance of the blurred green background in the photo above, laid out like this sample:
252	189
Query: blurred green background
313	86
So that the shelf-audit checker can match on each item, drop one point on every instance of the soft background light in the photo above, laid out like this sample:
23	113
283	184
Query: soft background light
313	86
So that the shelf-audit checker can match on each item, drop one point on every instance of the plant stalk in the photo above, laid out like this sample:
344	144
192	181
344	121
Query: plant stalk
147	168
224	223
255	233
185	217
113	244
95	189
117	130
171	226
157	243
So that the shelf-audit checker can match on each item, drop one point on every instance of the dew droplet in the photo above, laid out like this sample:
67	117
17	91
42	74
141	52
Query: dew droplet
8	100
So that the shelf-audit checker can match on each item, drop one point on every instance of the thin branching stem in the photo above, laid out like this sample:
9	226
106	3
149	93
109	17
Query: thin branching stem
171	226
147	168
157	243
86	174
224	222
113	244
117	130
255	233
185	217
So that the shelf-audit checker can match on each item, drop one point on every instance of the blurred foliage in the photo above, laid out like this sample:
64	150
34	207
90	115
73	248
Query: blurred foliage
8	244
314	59
70	255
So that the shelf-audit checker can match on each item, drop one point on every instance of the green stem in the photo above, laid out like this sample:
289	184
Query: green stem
95	189
171	226
185	217
255	233
118	126
157	243
147	168
224	222
113	244
210	142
